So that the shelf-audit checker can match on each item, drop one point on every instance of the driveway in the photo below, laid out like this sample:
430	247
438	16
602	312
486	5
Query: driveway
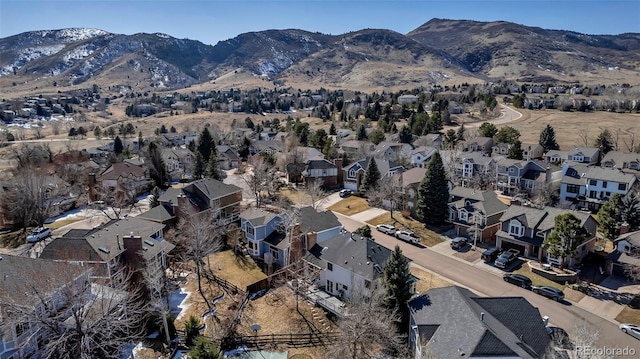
368	214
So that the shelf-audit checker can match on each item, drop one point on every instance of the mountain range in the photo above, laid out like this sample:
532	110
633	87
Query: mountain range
438	52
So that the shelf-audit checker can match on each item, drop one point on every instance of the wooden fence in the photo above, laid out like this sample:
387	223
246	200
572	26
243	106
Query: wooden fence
290	339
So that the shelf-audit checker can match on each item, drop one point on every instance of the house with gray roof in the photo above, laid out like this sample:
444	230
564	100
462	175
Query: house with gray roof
26	285
588	155
452	322
525	229
316	169
589	187
392	150
179	162
625	255
257	225
353	172
351	265
474	213
109	249
266	147
468	165
356	148
228	157
480	144
420	156
525	176
628	162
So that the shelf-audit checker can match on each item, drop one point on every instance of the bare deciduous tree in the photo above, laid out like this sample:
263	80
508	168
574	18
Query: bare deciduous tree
388	194
199	235
29	198
317	193
583	134
260	177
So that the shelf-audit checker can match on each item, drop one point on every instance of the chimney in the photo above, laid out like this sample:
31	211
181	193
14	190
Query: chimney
312	239
624	228
482	316
133	248
180	206
340	177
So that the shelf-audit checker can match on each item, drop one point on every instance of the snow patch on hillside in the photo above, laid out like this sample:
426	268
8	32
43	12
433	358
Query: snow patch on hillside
30	54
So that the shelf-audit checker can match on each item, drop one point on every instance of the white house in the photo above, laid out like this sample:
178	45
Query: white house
589	187
421	155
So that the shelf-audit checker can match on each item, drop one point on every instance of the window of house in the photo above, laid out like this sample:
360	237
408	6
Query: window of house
345	287
250	230
330	266
622	186
274	253
511	170
604	184
572	188
593	182
515	228
253	245
463	215
352	173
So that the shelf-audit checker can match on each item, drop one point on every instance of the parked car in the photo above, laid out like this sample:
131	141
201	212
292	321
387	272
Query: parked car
458	242
518	279
491	254
408	236
345	193
506	258
39	234
386	228
549	292
631	329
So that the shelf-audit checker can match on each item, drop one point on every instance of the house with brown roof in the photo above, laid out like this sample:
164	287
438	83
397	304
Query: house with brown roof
481	144
123	180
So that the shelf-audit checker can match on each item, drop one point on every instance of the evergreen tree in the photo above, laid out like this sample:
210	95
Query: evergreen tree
515	150
204	349
548	139
212	169
362	133
191	330
487	129
155	195
97	132
117	146
405	135
73	132
568	233
609	217
244	149
206	146
370	177
397	281
376	136
507	134
450	139
604	142
433	193
460	134
332	130
82	131
319	139
630	210
199	166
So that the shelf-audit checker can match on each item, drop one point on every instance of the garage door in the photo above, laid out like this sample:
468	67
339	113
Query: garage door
508	245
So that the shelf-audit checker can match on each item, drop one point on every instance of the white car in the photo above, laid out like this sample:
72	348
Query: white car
408	236
386	228
39	234
631	329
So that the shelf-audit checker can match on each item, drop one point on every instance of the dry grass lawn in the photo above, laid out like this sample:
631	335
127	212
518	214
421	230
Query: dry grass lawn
535	278
428	279
300	197
428	237
61	223
237	269
629	315
350	205
12	239
573	295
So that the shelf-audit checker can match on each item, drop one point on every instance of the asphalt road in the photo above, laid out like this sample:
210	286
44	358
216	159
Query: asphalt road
564	315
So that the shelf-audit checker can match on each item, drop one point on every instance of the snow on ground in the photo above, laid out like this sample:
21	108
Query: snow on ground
178	302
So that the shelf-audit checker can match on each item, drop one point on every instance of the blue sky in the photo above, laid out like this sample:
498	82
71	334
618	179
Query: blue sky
211	21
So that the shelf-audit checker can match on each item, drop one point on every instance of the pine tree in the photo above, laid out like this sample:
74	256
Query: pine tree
212	169
568	233
155	195
199	166
370	177
397	281
515	150
604	142
630	210
362	133
433	193
507	134
206	146
609	217
332	130
487	129
460	134
548	139
450	139
405	135
117	146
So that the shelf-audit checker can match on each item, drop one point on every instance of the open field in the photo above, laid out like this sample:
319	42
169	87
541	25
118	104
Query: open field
427	236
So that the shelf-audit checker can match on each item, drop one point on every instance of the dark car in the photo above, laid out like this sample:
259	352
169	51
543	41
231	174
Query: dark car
506	258
458	242
549	292
518	279
491	254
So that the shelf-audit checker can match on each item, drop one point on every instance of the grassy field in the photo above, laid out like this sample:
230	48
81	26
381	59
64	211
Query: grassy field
350	206
237	269
428	237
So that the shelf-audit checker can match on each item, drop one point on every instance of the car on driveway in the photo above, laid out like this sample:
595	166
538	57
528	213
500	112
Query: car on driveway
386	228
631	329
506	258
458	243
518	279
344	193
407	236
549	292
39	234
491	254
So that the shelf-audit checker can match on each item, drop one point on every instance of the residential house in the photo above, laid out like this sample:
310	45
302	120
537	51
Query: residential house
410	181
589	187
123	180
532	151
26	285
179	162
516	176
322	170
453	322
407	99
420	156
178	139
351	265
228	157
525	229
589	155
626	253
356	149
500	149
392	150
353	172
470	164
204	195
480	144
323	224
108	250
266	147
431	140
628	162
475	214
